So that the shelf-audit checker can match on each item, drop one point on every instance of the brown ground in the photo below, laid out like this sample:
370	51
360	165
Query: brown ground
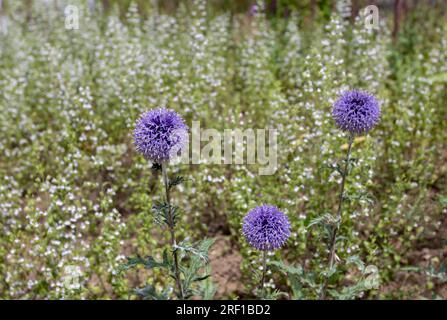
226	267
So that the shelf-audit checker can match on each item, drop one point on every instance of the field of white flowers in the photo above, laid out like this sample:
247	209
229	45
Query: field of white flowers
76	199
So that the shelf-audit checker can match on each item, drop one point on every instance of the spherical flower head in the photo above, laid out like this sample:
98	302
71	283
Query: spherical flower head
266	228
253	9
160	134
356	111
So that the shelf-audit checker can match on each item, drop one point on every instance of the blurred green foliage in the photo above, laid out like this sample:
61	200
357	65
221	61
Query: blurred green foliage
73	192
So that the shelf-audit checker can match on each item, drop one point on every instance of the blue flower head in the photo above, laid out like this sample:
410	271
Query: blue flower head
160	134
356	111
266	228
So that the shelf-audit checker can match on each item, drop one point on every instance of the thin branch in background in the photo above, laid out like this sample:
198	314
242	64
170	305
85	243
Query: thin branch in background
29	9
313	9
397	18
354	10
105	5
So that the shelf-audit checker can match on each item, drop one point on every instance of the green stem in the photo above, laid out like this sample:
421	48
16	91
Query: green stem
172	232
333	241
264	271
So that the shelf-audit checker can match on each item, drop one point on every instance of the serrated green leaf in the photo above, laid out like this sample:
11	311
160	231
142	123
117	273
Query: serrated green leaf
197	269
287	268
443	201
176	181
163	212
207	289
201	278
357	261
150	293
297	278
326	219
148	263
199	249
295	284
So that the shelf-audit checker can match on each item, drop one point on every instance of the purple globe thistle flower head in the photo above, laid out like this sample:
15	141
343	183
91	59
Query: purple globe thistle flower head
253	10
160	134
266	228
356	111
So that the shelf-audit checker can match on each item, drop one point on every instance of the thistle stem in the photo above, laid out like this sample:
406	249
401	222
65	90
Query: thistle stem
264	271
333	241
172	231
